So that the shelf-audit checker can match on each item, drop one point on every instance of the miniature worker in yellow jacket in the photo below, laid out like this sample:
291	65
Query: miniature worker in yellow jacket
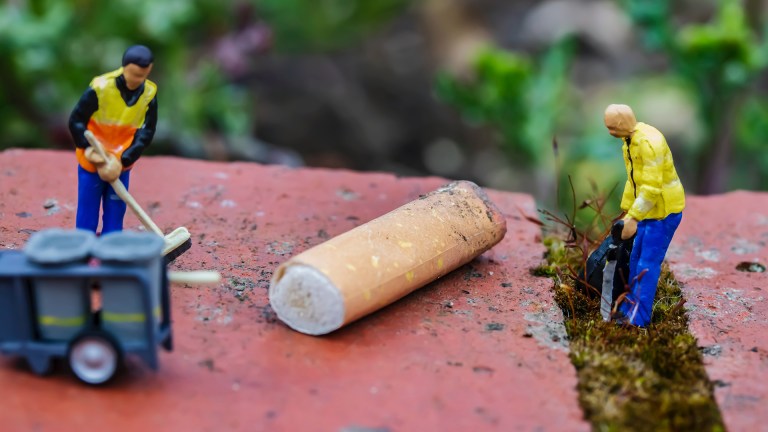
653	200
120	109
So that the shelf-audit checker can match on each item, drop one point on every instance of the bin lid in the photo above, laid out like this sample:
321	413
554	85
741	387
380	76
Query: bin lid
59	246
128	246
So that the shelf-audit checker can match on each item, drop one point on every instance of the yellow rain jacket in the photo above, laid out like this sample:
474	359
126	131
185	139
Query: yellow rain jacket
653	189
115	123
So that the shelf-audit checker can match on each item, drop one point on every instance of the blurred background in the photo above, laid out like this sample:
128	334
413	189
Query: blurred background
507	93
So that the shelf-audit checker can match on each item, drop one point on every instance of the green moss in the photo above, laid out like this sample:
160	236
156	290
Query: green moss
631	378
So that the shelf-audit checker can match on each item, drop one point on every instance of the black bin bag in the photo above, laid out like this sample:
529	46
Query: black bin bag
607	270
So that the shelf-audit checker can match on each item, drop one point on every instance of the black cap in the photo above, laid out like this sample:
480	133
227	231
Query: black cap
139	55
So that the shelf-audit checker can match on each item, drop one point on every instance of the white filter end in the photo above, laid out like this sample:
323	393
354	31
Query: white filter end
306	300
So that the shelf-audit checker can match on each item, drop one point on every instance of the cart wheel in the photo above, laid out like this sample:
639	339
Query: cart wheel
94	358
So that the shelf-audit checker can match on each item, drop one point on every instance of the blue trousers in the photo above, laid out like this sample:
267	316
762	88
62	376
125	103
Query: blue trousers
92	194
650	246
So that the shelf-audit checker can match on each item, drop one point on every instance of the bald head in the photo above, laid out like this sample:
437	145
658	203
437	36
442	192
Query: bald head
620	120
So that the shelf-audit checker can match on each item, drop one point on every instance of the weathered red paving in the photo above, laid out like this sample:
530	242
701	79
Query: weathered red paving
727	308
481	349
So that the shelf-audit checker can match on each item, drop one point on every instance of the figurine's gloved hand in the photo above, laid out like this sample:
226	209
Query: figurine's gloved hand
630	227
110	169
93	156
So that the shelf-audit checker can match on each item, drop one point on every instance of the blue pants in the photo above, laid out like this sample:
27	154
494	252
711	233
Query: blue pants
92	193
650	246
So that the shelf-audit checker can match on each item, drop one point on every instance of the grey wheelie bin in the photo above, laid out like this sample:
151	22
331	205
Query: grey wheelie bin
88	300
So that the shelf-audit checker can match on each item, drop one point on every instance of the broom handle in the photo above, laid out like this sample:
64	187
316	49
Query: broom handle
194	277
121	191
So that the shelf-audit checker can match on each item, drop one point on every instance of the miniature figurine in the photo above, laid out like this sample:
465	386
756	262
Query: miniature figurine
120	109
653	201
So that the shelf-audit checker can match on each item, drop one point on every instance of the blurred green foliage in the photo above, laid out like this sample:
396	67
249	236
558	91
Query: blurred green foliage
720	60
50	50
752	157
519	97
716	63
525	99
302	25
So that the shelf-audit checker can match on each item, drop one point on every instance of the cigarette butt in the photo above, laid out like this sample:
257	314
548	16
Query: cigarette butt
375	264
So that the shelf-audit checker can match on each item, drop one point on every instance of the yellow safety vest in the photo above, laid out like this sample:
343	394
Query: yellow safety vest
653	189
115	123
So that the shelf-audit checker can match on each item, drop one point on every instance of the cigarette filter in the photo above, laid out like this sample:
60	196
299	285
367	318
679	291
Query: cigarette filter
371	266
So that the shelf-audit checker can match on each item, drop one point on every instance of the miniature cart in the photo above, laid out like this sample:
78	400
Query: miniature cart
89	300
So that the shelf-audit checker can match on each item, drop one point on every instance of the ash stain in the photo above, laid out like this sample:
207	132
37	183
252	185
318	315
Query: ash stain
688	271
213	314
738	304
487	416
347	194
744	247
24	214
268	315
365	429
280	248
265	277
52	206
207	363
494	326
241	287
712	255
248	225
472	273
489	214
263	274
712	350
547	328
483	370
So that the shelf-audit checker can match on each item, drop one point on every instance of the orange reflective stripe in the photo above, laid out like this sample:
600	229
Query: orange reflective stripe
115	138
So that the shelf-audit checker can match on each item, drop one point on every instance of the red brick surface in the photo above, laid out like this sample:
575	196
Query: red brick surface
481	349
728	308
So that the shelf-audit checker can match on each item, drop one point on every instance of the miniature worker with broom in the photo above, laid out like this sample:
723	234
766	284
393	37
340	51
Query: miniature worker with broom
120	109
653	200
